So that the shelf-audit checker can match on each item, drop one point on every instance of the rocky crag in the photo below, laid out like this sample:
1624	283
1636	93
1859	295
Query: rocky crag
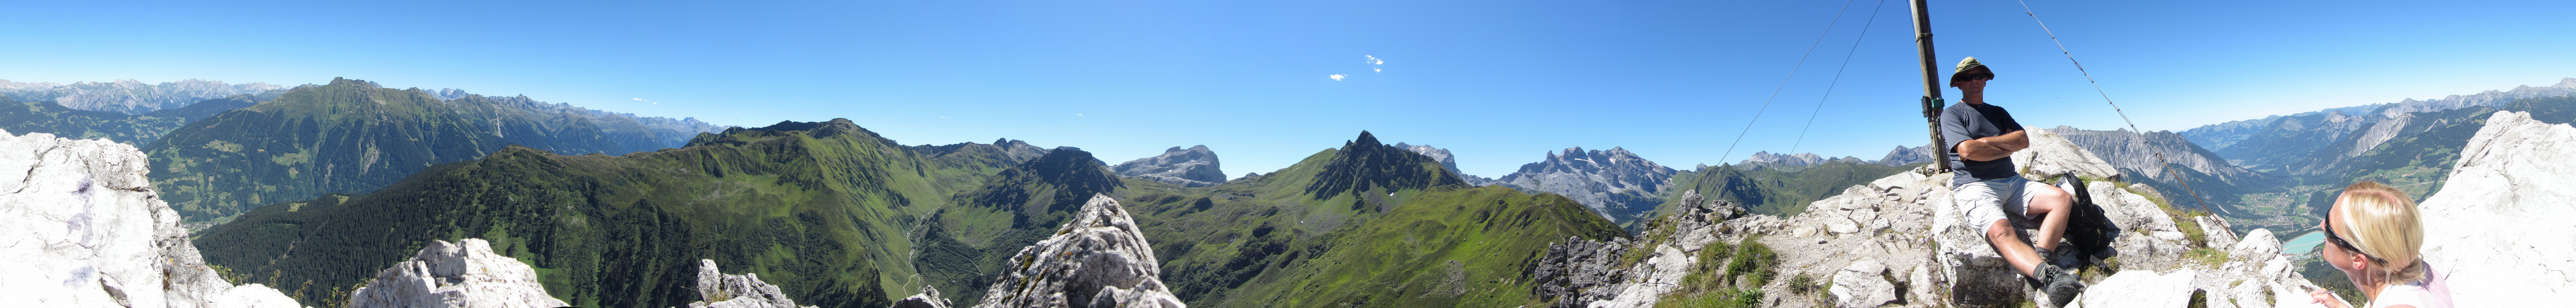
1903	155
86	229
1897	241
719	290
1447	161
1192	167
462	274
1615	183
2498	228
1098	259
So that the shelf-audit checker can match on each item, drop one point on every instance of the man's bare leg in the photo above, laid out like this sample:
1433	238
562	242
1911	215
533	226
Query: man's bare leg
2055	205
2018	254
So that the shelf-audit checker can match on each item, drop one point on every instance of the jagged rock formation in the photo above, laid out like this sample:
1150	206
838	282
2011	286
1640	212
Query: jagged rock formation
129	96
1447	161
929	298
2498	228
719	290
1615	183
87	229
462	274
1193	167
1898	240
1904	155
1098	259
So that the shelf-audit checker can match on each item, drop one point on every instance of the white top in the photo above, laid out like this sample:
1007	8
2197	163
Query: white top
2431	292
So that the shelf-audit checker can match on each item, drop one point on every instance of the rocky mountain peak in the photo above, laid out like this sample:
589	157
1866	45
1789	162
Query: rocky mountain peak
1447	161
719	290
1099	258
462	274
1615	183
91	231
1904	155
130	96
1363	164
1193	167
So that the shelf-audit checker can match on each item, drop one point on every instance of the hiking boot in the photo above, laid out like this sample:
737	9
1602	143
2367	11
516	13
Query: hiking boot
2062	285
2061	261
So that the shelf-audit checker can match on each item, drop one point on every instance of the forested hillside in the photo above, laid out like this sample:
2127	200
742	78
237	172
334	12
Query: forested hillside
351	136
821	209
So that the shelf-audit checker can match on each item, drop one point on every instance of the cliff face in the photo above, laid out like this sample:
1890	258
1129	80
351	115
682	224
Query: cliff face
1899	240
1098	259
2498	229
86	229
719	290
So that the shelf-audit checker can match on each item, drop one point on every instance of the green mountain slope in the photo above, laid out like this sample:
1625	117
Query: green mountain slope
964	247
351	136
1774	192
820	209
1341	217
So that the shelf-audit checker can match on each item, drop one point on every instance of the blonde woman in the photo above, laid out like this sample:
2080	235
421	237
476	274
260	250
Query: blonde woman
2373	235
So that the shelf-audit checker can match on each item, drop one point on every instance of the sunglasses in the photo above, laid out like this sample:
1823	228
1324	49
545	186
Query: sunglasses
2338	241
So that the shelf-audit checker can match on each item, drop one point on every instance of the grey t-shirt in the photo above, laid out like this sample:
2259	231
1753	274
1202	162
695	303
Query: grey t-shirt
1965	121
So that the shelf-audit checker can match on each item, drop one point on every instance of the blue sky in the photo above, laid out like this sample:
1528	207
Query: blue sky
1498	82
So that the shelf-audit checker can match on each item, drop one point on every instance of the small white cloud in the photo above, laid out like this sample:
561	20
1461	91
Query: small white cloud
641	99
1337	77
1373	60
1079	115
1380	70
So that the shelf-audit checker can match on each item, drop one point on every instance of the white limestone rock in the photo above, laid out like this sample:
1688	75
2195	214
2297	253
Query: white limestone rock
2141	289
1098	259
2499	228
84	228
462	274
719	290
929	298
1863	284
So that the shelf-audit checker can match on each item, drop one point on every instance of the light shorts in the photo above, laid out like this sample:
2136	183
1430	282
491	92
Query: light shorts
1990	200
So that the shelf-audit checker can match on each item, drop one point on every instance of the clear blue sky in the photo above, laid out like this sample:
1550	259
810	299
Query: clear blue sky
1498	82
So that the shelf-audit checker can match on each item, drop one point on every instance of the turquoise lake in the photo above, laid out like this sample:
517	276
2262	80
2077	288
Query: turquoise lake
2305	242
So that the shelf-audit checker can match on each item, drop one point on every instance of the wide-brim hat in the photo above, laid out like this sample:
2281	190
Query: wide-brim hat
1967	66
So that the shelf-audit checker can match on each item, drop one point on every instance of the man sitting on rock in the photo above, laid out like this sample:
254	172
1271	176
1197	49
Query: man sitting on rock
1987	187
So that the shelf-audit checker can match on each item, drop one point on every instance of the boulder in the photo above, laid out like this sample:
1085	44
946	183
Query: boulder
929	298
2498	229
462	274
1863	284
719	290
2140	289
86	229
1098	259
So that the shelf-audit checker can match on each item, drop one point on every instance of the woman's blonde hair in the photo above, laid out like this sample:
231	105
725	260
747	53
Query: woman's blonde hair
2381	222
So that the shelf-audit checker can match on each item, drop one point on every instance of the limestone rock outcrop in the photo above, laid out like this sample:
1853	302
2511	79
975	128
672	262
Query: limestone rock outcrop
1098	259
1192	167
84	228
1899	241
2499	227
719	290
929	298
462	274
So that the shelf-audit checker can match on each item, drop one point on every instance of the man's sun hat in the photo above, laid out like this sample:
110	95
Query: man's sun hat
1968	65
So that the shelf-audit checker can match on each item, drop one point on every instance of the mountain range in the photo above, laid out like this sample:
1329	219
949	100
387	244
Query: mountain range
351	136
133	97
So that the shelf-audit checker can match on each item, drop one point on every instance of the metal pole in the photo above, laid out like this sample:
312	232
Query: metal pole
1931	85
